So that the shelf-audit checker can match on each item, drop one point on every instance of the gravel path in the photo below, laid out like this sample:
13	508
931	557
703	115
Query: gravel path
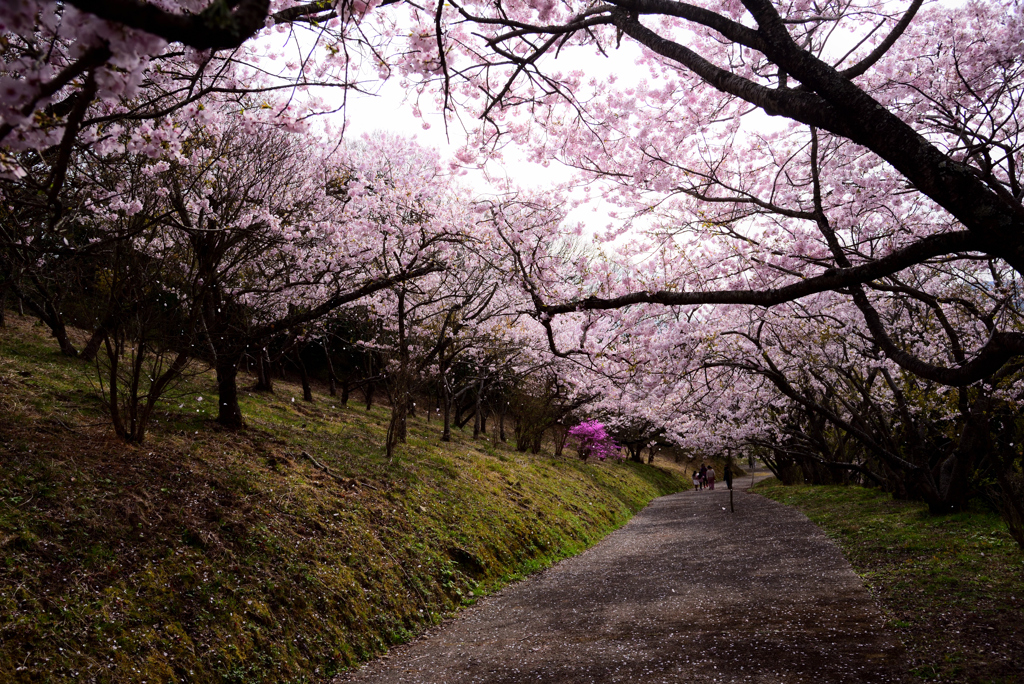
686	592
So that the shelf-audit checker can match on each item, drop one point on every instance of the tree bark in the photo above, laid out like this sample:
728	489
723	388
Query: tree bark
92	347
307	391
332	379
395	428
61	333
560	434
535	444
264	380
229	413
446	408
400	381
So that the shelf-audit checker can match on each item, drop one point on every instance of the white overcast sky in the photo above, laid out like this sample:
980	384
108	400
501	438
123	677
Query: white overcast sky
391	110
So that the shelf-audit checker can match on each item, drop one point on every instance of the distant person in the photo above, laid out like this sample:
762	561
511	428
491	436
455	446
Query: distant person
703	475
728	476
696	480
711	477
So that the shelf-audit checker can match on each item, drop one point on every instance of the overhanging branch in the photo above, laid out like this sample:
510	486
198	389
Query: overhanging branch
833	279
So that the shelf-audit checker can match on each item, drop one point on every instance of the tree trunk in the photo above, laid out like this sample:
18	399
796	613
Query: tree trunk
229	413
522	435
401	410
307	391
478	423
501	425
53	319
345	388
332	379
61	333
535	445
446	408
560	434
396	427
92	347
49	312
400	381
264	380
462	420
946	487
113	403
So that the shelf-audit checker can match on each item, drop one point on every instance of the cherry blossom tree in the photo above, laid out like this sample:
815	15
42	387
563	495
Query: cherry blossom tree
762	213
856	164
410	215
266	231
836	71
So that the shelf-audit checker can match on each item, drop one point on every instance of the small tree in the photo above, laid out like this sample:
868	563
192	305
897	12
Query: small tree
591	439
146	334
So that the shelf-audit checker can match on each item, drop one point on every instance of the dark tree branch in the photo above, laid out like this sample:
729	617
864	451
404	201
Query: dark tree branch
1000	348
862	66
729	29
71	127
90	60
833	279
341	299
223	24
806	107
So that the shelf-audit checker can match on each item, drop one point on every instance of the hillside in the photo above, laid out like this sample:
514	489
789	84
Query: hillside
285	552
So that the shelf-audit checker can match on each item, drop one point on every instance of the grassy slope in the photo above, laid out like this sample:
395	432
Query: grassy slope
212	556
951	586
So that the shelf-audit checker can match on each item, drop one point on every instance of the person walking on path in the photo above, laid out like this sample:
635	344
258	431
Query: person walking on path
728	476
703	475
696	480
711	477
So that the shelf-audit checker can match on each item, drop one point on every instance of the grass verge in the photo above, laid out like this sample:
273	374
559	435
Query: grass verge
210	556
952	587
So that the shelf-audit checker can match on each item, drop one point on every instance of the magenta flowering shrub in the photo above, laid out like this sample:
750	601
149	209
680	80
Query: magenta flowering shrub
591	439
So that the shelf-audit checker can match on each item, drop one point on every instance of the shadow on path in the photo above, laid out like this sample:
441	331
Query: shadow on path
686	592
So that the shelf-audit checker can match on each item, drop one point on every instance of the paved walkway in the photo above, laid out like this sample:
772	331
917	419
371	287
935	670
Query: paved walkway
686	592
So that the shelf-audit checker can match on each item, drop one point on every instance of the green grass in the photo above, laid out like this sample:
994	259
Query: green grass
952	587
212	556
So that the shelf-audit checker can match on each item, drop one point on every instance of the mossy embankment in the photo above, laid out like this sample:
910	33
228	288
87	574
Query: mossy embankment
212	556
952	586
